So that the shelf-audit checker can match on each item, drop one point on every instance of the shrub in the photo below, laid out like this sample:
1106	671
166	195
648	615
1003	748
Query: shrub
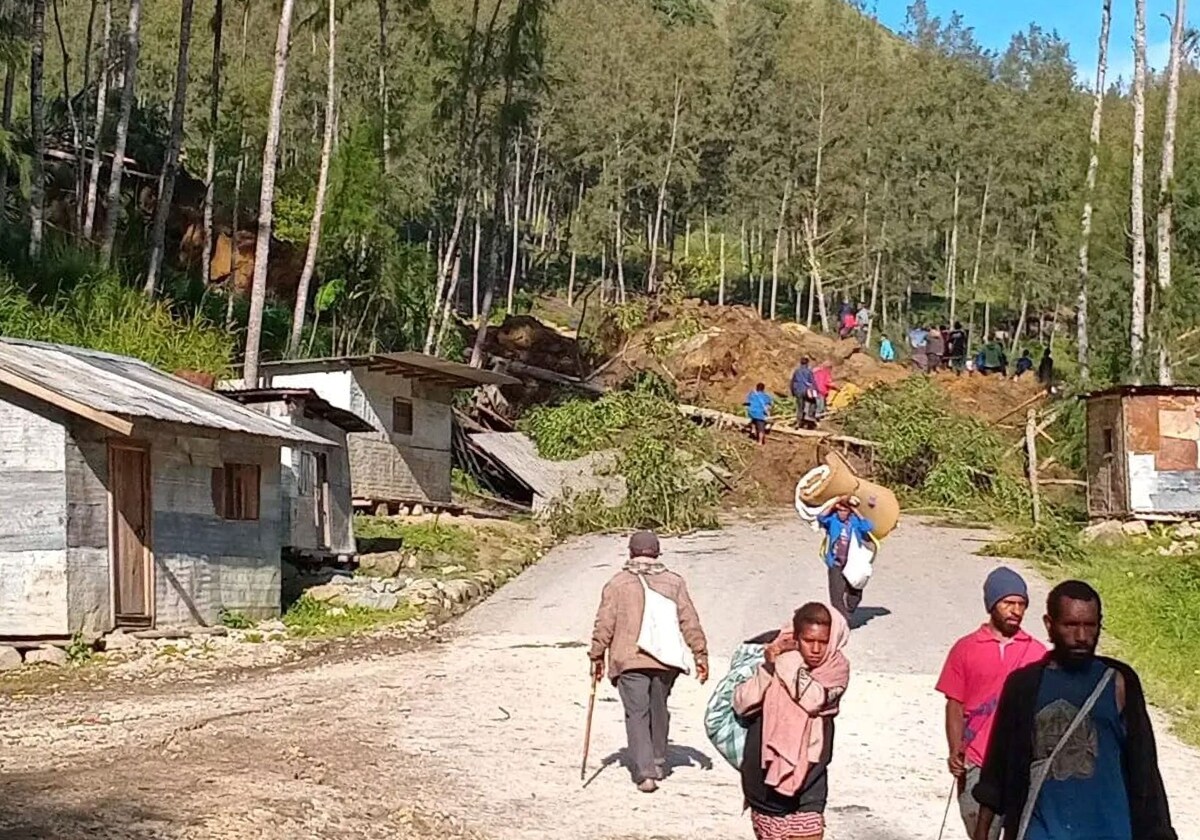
659	453
946	458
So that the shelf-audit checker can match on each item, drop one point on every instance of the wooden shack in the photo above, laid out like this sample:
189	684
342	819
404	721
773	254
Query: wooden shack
407	400
1143	452
133	498
318	514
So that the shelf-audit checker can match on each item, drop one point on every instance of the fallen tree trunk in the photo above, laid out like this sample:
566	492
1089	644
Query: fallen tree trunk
520	369
724	419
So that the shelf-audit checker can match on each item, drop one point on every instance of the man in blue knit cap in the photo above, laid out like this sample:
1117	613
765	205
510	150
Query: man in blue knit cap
973	677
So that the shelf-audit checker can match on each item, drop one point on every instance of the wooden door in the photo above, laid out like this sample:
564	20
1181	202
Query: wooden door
322	497
133	576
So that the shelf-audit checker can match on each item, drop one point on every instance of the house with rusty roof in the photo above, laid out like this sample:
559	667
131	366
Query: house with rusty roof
133	498
1143	452
406	398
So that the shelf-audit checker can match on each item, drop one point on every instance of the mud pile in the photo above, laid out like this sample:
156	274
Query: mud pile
715	356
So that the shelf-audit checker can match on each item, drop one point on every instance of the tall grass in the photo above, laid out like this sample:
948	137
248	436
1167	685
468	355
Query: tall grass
97	311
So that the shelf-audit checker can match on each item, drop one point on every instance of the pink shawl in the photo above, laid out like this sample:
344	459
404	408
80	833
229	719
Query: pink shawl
795	699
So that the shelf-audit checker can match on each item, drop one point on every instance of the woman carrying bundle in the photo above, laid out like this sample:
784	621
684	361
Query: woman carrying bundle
789	705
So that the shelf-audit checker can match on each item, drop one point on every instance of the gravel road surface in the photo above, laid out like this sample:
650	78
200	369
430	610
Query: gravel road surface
480	734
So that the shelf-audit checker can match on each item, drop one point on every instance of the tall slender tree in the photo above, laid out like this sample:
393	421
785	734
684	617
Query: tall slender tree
112	206
37	131
1166	195
214	125
1137	212
266	201
102	79
314	234
166	187
1085	240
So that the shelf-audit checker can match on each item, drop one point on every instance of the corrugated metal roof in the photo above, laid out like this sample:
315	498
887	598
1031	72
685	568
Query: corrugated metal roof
130	388
415	365
550	480
1144	390
309	399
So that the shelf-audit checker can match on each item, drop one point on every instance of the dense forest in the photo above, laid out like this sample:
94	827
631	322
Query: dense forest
331	176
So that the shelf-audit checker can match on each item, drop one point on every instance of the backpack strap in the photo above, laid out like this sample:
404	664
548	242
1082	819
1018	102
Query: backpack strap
1039	770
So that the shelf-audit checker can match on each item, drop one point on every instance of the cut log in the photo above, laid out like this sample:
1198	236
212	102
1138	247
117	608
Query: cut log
522	370
725	420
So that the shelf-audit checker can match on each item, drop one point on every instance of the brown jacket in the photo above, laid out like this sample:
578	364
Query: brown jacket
619	621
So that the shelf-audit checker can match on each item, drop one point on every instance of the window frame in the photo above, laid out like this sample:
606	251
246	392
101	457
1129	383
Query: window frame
237	492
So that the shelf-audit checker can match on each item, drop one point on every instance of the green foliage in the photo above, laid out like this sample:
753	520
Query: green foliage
309	618
80	651
1052	542
1151	618
425	538
102	314
235	620
658	452
946	458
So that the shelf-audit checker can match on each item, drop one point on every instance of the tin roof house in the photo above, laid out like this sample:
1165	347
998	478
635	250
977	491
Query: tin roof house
317	513
134	498
406	398
1143	452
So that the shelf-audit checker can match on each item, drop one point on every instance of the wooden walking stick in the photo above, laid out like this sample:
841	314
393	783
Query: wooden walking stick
587	732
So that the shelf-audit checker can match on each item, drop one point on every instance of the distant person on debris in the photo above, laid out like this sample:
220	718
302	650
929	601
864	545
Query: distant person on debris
956	348
804	389
849	324
842	525
758	409
863	318
937	348
823	380
1045	372
887	353
788	707
1024	365
992	359
1072	752
973	676
918	341
643	682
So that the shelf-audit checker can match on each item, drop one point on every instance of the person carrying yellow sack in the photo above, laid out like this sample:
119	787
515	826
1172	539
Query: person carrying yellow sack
848	551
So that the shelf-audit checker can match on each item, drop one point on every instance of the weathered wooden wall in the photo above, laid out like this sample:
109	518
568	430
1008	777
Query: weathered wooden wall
202	563
384	465
33	495
299	494
89	575
1162	444
1108	494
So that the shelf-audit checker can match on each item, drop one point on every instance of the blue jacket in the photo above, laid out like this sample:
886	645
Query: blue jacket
802	381
858	526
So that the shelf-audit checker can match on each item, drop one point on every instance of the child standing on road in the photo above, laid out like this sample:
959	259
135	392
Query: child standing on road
758	408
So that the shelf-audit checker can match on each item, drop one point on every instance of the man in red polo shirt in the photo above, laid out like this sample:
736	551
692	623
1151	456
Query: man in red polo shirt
973	676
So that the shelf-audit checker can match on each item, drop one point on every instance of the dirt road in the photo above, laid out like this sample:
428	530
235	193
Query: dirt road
480	735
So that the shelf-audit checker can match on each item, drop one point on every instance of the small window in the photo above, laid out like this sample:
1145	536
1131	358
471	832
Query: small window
402	416
1108	441
307	478
235	491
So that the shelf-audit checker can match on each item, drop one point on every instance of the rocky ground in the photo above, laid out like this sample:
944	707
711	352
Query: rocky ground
477	732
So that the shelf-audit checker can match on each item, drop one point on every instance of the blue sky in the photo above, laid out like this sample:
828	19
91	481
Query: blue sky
1078	21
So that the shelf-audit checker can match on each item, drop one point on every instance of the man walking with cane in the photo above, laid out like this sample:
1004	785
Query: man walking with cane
644	682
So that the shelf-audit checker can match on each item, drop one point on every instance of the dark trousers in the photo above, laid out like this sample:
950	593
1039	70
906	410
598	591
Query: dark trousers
644	695
844	597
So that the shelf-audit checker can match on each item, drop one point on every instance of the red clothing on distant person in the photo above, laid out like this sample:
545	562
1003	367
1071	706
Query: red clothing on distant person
823	379
974	674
